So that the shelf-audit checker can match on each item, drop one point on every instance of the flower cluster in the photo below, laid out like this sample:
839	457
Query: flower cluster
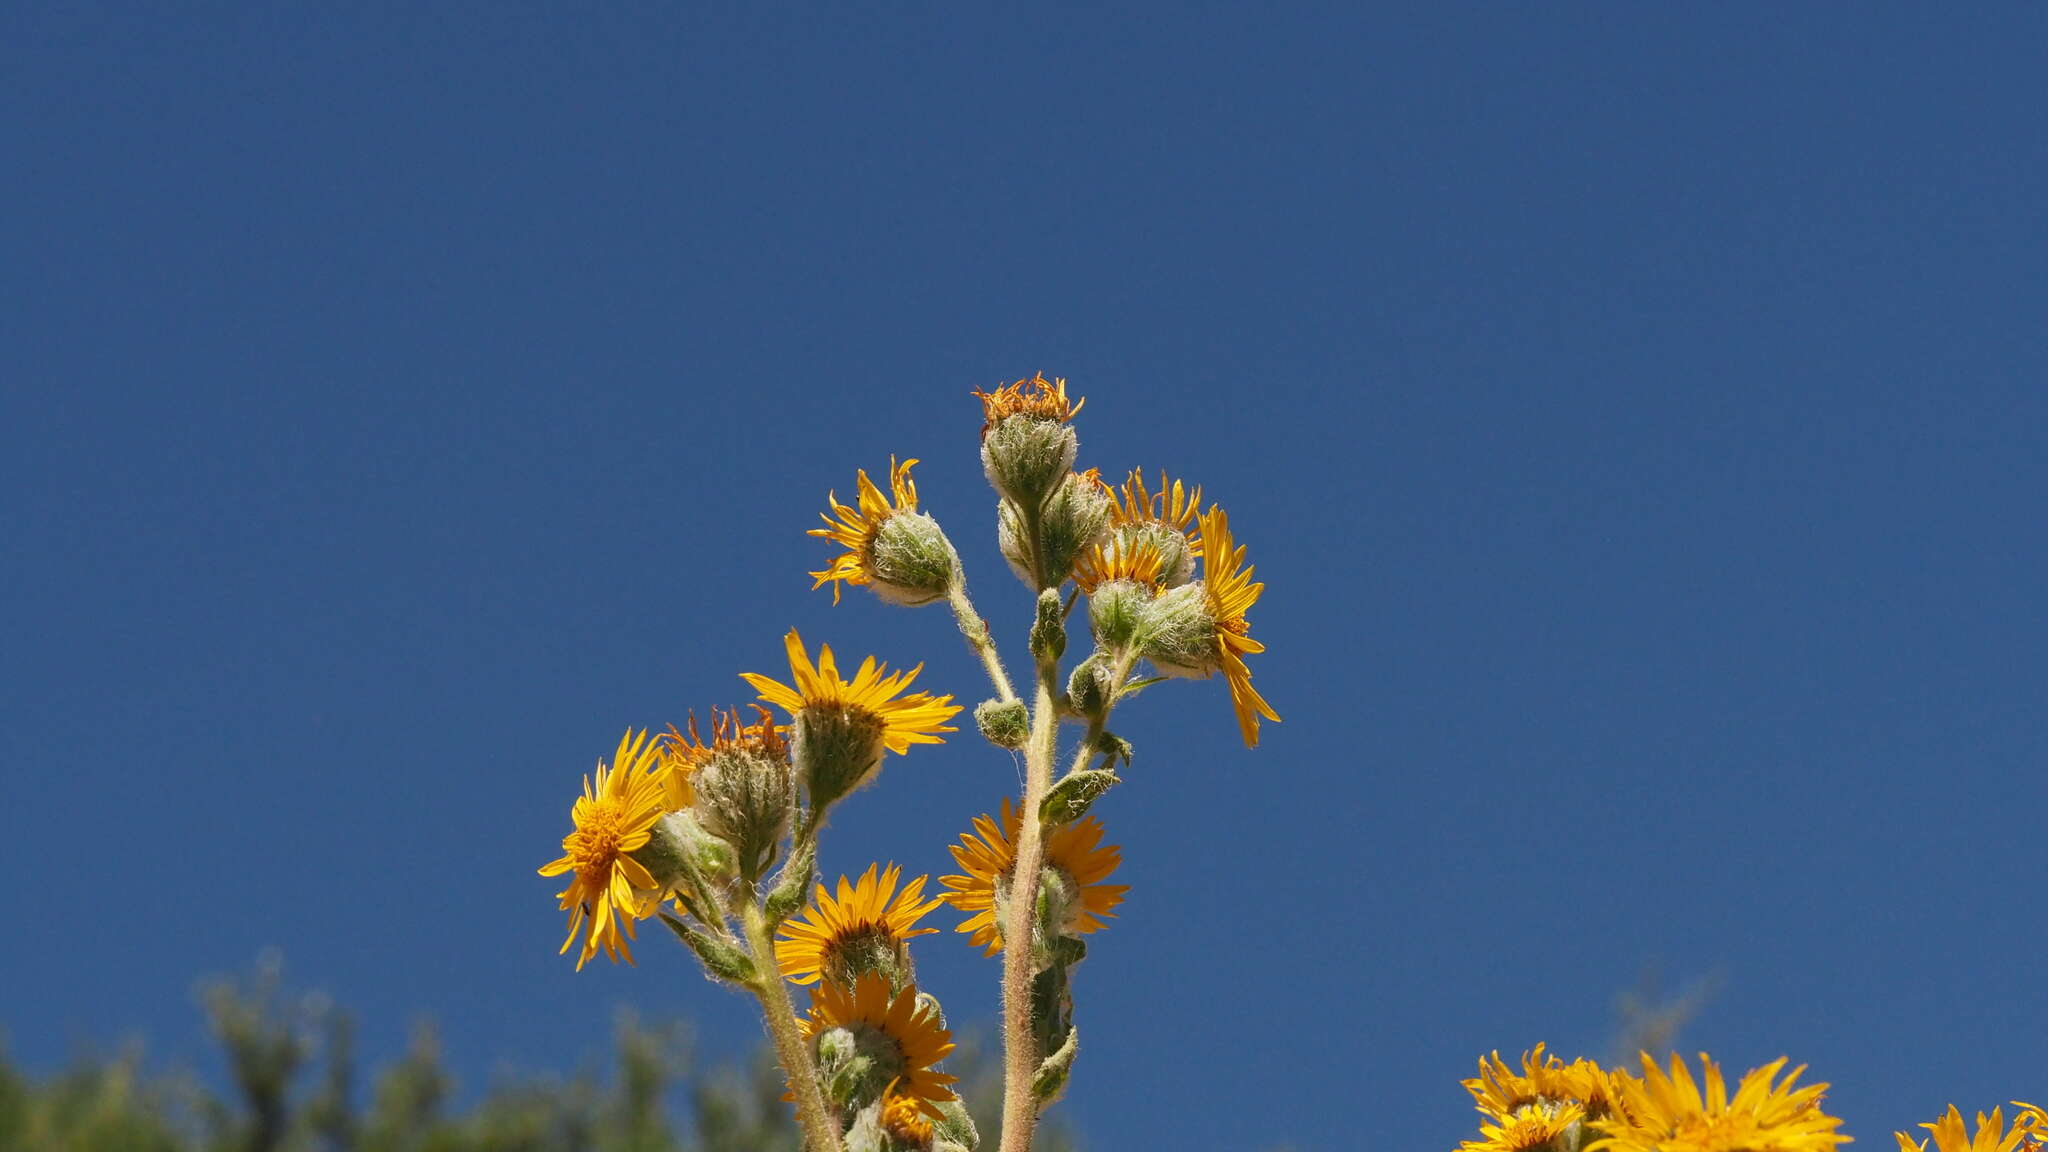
719	838
1552	1106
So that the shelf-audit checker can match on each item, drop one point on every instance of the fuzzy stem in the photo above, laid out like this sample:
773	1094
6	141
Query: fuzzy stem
820	1133
1020	1045
975	630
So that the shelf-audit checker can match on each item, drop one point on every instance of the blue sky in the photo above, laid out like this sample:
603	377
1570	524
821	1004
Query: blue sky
1637	419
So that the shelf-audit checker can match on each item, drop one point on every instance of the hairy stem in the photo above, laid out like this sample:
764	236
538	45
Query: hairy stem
821	1134
1020	1046
975	629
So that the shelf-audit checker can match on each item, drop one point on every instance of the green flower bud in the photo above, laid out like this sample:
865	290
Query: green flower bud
955	1126
1179	634
1005	723
1056	896
1088	687
856	1065
1049	630
686	858
745	797
910	561
1050	1082
1074	517
668	853
1025	455
837	750
1116	614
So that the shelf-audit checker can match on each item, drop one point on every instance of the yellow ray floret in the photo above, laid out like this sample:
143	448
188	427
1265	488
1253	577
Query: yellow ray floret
1951	1136
1118	558
1500	1091
613	817
1231	593
1671	1113
863	913
1530	1127
854	528
906	720
904	1119
1036	397
921	1042
1173	506
987	856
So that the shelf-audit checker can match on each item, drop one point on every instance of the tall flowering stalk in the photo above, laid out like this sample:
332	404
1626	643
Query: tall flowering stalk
720	838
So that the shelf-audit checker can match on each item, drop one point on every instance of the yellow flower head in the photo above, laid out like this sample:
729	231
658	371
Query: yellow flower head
682	755
1500	1091
869	918
1231	593
1531	1126
1035	397
613	818
854	528
904	1119
905	720
1951	1136
1671	1113
1173	506
988	855
910	1030
1117	557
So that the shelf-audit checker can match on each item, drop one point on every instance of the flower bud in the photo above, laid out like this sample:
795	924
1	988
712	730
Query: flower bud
1075	517
1005	723
1088	687
1116	614
745	797
838	749
681	853
1025	441
910	561
1024	456
857	1065
955	1126
1179	634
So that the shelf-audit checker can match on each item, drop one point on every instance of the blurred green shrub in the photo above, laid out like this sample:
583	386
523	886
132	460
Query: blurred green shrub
292	1088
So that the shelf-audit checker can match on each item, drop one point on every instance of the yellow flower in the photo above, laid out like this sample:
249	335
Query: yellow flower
1172	507
919	1041
904	1119
1500	1091
1531	1126
870	917
1116	557
1034	397
1670	1113
856	527
613	818
988	855
905	721
1231	594
1951	1136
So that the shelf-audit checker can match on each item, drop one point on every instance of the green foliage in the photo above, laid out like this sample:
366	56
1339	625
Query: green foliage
293	1078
